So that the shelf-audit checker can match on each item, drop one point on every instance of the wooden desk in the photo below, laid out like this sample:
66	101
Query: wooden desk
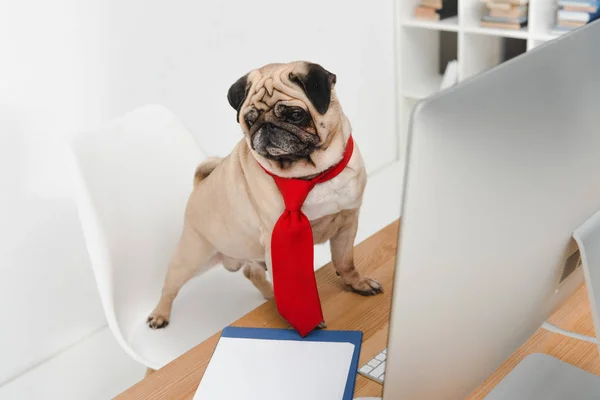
344	310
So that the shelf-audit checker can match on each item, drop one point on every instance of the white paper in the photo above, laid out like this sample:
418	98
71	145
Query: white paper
257	369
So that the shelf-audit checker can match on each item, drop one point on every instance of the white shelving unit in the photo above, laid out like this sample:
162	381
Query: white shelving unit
424	47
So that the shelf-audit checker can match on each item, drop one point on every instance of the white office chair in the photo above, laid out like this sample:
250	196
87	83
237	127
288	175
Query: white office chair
132	179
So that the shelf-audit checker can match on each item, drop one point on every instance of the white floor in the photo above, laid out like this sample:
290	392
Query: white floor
97	367
94	369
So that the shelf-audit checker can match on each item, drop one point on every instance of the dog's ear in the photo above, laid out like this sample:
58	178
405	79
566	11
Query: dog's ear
317	83
237	94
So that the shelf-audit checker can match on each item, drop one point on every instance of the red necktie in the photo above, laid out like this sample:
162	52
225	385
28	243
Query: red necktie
292	251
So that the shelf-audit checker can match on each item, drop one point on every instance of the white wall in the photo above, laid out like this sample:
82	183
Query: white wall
70	64
47	292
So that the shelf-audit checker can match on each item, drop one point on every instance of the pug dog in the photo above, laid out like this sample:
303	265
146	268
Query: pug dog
294	127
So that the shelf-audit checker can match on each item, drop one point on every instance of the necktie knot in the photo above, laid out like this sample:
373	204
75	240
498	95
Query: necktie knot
294	192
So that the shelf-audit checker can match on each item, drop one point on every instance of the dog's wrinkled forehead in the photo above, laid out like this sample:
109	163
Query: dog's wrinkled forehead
272	84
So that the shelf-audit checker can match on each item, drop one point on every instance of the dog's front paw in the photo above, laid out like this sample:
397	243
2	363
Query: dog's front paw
157	321
367	286
322	325
268	293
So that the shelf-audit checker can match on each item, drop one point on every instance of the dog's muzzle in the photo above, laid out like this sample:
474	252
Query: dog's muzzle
275	142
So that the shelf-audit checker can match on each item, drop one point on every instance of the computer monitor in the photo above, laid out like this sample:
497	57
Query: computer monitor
501	169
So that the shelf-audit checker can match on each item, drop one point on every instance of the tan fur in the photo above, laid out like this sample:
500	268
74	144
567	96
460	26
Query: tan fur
235	204
257	274
205	168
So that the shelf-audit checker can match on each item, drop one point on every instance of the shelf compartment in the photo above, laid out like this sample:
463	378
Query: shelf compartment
426	53
472	11
482	52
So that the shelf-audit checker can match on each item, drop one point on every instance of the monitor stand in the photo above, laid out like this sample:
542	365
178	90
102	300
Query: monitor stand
542	377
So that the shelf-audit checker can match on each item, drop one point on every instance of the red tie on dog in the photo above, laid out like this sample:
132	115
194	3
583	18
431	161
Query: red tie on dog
292	251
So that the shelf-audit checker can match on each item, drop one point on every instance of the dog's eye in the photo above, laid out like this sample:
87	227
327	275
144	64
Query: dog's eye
296	116
251	117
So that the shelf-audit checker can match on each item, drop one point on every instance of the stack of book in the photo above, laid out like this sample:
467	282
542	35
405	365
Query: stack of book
435	10
572	14
506	14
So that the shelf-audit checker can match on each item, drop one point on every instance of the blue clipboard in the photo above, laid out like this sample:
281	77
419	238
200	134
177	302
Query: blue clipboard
354	337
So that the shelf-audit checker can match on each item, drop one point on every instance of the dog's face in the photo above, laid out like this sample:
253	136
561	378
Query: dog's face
291	118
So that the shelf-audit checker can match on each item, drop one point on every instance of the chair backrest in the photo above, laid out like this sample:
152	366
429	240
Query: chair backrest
132	180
